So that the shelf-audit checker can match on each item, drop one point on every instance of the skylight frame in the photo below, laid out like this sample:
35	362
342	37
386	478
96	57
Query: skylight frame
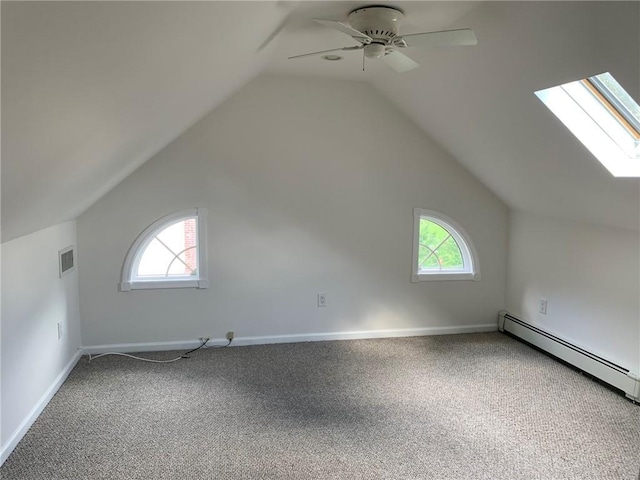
600	120
617	105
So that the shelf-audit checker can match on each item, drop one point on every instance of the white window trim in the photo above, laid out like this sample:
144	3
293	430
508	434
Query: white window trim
128	281
459	234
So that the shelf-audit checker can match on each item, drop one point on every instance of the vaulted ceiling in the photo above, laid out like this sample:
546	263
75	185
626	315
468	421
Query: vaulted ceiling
91	90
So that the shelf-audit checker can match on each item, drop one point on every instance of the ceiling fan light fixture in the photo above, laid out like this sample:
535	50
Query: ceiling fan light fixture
376	31
374	50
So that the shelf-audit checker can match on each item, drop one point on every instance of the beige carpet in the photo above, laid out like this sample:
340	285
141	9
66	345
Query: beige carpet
480	406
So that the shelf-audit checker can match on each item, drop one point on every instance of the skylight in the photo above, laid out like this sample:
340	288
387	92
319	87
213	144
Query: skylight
603	116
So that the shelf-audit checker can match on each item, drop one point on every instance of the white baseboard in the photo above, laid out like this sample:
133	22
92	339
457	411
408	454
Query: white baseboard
238	341
295	338
620	377
35	412
146	347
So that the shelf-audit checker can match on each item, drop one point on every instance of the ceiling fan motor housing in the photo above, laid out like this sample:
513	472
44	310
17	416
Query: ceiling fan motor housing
379	23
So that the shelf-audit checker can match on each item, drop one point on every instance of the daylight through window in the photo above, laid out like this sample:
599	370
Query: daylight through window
168	254
171	253
437	249
442	250
603	116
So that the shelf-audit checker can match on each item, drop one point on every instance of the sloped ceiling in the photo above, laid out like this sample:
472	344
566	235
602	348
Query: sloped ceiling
488	117
91	90
479	103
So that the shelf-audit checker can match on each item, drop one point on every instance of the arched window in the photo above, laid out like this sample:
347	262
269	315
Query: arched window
170	253
442	250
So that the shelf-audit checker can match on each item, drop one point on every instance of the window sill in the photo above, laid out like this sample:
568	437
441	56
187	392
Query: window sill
162	284
430	277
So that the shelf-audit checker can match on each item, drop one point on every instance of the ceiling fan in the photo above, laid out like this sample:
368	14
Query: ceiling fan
376	29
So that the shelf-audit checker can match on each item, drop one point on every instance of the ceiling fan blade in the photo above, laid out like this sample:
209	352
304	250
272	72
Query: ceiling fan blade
360	47
446	38
344	28
400	62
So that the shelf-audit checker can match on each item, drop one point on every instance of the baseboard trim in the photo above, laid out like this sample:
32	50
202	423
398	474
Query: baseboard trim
35	412
295	338
145	347
238	342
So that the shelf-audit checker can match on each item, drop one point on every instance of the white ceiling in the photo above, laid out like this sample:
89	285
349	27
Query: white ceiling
91	90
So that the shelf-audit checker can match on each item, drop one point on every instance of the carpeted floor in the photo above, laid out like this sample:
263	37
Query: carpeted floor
480	406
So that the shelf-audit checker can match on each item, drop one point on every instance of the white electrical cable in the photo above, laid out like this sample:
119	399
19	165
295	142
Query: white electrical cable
204	345
133	356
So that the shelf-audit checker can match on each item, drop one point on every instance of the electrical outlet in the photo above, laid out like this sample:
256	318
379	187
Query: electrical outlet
543	306
229	336
60	331
322	300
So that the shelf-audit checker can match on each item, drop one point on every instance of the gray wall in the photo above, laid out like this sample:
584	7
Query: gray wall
589	275
310	186
34	300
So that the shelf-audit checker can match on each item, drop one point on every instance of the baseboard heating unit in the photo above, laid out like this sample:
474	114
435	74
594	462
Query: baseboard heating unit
602	369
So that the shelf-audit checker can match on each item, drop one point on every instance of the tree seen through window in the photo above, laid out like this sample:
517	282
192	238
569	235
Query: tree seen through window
437	249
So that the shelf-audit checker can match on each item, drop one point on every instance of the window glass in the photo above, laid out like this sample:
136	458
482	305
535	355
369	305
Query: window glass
172	252
603	116
618	96
169	253
438	250
442	250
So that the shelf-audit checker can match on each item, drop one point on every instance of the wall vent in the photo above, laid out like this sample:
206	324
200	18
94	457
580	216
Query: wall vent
66	260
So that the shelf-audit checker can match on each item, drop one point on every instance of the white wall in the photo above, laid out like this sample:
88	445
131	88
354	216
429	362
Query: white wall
310	186
589	276
34	300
